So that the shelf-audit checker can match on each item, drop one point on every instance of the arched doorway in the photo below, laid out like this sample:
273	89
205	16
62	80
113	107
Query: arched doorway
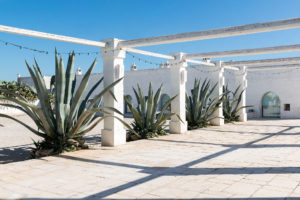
271	105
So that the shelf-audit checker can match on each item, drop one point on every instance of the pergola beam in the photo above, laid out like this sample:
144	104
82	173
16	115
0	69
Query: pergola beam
232	68
274	61
215	33
215	67
158	55
19	31
148	53
244	52
273	67
201	62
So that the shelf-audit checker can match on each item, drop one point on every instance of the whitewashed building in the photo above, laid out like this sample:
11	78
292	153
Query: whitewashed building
272	93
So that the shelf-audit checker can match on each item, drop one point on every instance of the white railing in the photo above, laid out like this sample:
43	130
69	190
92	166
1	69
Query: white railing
12	111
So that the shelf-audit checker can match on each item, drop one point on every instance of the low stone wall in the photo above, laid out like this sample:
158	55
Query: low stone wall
12	111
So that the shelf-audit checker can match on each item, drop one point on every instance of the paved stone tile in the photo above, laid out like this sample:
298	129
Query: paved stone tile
271	192
259	158
242	189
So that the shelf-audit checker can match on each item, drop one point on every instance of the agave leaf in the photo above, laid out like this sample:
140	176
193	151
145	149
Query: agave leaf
43	97
142	102
29	113
60	82
138	101
5	91
92	126
128	127
161	114
78	95
242	107
134	112
38	112
162	120
155	104
149	106
23	124
86	114
84	102
70	78
100	95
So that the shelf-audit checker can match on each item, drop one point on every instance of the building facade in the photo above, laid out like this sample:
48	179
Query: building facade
272	93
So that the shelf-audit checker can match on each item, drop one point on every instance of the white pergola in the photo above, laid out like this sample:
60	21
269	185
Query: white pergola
113	52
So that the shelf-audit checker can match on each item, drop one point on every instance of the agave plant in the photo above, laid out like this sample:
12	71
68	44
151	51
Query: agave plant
148	121
200	106
63	127
231	102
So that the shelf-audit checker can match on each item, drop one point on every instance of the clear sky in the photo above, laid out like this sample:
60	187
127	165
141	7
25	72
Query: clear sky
130	19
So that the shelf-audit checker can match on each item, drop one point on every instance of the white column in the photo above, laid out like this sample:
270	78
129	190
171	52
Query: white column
217	77
113	133
178	79
241	79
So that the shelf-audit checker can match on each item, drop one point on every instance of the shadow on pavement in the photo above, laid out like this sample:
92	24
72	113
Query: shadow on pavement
14	153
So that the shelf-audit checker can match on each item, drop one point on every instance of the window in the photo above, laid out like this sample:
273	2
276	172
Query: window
287	107
126	108
163	100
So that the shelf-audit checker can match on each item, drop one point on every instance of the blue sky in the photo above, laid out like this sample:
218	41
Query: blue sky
129	19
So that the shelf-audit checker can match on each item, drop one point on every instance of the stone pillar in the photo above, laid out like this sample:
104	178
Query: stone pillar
113	133
178	79
217	77
241	79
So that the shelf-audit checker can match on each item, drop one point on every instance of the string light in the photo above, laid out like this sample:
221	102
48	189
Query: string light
268	75
47	52
143	60
166	64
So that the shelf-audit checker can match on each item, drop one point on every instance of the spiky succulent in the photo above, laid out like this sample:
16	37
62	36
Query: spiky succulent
231	102
200	106
148	121
62	127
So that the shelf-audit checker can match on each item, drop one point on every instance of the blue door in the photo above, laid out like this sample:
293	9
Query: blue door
271	105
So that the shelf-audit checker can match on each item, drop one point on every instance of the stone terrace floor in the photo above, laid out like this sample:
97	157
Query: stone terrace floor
259	159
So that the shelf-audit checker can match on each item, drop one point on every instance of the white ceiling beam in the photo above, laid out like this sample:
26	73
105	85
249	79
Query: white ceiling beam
232	68
245	52
215	33
214	67
273	67
148	53
273	61
200	62
19	31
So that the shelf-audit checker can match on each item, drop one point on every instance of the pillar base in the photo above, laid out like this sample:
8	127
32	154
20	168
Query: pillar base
113	138
178	127
217	122
243	117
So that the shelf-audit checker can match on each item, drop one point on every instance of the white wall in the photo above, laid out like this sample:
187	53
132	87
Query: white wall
29	81
285	83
